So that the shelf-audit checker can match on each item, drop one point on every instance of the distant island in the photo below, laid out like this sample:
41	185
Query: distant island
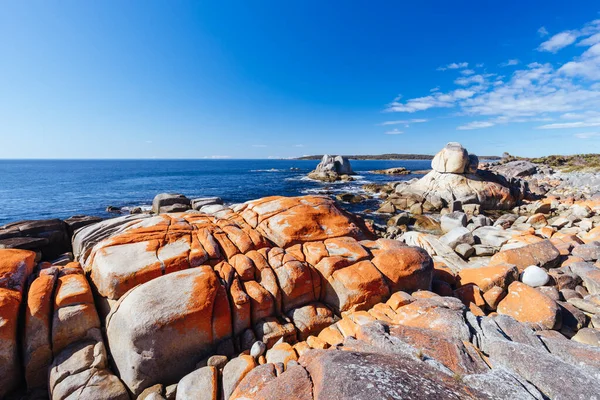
390	156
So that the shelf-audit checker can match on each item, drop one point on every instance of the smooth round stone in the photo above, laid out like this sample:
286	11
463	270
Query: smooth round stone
258	349
535	276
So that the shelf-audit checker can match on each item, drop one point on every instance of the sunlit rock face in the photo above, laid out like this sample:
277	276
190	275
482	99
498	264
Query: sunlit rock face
455	178
188	283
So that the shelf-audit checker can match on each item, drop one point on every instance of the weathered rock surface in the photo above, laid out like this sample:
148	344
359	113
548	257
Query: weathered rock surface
49	237
332	168
15	268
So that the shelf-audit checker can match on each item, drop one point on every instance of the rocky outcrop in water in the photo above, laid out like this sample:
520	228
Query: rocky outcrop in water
331	169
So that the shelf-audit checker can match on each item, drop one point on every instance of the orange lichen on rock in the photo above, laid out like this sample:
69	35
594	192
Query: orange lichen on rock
15	268
528	305
487	277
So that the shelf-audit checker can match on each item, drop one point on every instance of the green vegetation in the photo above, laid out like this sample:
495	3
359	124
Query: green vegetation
577	162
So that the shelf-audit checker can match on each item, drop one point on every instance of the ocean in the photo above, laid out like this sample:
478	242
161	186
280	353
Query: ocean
43	189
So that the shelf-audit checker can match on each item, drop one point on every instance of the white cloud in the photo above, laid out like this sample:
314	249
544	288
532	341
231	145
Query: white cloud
465	81
542	32
467	72
394	132
259	145
475	125
570	125
568	90
298	145
586	66
454	66
404	121
148	141
216	157
437	99
590	41
587	135
510	63
558	41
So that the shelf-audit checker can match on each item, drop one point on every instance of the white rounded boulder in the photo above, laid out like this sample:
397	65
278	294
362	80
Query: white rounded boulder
452	159
535	276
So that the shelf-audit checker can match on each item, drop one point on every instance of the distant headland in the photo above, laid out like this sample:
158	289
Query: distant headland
390	156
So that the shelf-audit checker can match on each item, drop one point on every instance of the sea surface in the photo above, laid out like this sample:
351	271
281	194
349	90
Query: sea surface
42	189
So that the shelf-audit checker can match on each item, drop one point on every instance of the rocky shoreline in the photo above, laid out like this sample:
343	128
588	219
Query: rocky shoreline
483	283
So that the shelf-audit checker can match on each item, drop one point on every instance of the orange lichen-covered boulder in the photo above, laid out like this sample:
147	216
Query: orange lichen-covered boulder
528	305
160	330
37	350
543	254
405	268
15	268
487	277
75	316
290	220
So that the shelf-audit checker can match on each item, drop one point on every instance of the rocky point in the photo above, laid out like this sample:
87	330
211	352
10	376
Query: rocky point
483	284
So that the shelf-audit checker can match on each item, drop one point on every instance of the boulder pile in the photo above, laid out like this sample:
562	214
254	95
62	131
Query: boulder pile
281	298
454	182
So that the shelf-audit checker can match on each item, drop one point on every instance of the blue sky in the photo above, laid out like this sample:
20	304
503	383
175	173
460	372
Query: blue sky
183	79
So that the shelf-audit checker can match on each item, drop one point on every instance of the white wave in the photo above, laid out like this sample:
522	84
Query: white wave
266	170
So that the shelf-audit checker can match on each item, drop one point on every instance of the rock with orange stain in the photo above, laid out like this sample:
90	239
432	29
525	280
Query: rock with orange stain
281	353
160	330
592	236
354	287
530	306
37	349
15	268
290	220
203	383
441	314
450	351
470	294
264	384
81	371
543	254
311	319
234	372
271	329
405	268
75	316
487	277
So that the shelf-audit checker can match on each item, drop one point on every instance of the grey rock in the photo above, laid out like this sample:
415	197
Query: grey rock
515	169
501	384
492	236
200	384
589	252
457	236
170	202
589	274
589	336
553	377
453	220
345	375
205	201
465	250
258	349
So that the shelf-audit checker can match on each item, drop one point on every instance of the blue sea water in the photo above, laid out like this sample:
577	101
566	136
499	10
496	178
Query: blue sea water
41	189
